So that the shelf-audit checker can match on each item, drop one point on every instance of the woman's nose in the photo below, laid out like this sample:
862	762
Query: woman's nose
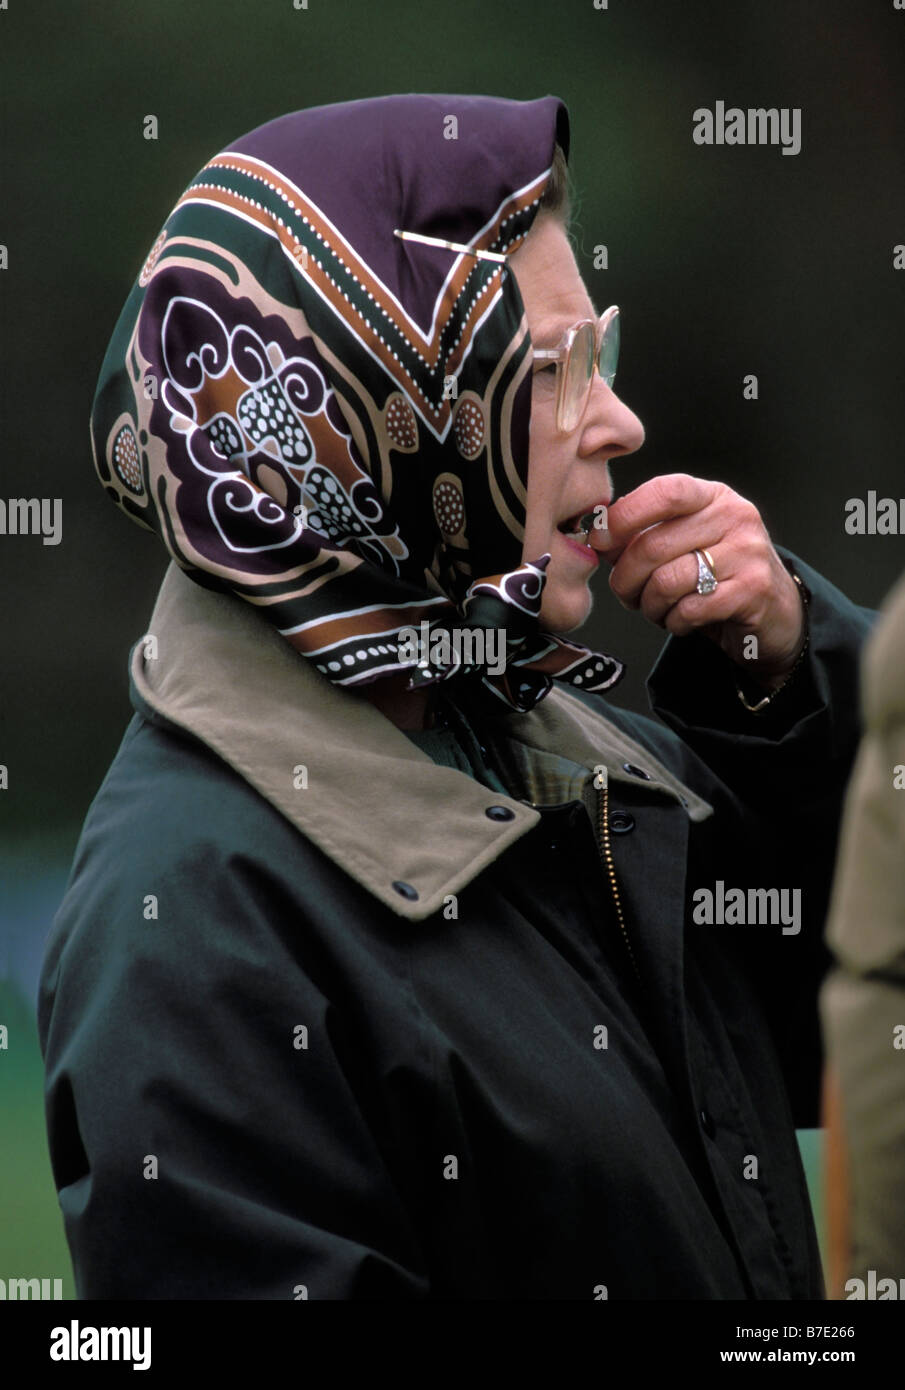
609	422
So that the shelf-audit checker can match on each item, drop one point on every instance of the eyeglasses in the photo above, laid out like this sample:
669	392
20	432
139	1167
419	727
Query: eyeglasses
587	345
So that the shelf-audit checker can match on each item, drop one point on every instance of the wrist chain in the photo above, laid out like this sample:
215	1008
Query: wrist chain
767	700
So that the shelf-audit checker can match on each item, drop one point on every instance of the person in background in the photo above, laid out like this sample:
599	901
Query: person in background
862	1001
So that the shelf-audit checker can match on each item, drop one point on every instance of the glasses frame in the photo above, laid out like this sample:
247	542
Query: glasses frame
562	356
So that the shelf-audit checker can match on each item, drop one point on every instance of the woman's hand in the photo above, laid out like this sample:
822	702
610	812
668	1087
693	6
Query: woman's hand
652	535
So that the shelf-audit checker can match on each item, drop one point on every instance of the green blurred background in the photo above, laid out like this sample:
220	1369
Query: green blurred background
725	261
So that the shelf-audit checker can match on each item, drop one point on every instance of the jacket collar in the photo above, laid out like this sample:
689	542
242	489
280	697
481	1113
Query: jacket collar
339	770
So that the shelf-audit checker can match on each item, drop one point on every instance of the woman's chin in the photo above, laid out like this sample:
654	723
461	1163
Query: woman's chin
563	612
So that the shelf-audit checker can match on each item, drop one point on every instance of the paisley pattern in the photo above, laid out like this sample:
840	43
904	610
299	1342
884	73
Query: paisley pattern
332	423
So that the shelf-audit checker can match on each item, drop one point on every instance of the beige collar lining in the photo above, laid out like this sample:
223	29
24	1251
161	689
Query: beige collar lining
337	768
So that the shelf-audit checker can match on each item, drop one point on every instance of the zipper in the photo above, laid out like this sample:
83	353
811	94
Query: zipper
606	849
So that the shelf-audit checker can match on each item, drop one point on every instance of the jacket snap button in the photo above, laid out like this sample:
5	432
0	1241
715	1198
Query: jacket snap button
499	813
707	1124
636	771
405	889
621	822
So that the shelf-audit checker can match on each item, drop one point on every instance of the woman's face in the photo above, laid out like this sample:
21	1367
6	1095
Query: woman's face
567	473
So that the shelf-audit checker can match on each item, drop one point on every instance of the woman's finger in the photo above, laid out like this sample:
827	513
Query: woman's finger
659	499
678	579
667	546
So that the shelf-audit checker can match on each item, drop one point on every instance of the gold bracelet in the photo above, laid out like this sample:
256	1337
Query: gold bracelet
768	699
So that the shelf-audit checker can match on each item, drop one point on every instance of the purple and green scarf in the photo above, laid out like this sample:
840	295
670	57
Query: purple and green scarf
331	422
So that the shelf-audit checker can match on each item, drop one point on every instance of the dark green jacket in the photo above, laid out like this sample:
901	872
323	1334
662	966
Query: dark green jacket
324	1018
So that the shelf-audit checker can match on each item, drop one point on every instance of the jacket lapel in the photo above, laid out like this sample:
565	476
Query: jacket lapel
337	768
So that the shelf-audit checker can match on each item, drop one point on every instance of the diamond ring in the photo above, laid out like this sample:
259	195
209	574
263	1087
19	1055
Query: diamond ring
707	580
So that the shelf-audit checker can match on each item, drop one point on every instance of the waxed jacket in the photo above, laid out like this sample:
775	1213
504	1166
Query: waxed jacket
324	1018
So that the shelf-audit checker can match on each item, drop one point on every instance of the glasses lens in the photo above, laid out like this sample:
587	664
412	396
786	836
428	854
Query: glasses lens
578	373
609	350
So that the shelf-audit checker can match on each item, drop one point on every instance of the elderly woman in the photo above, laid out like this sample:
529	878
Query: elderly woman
395	963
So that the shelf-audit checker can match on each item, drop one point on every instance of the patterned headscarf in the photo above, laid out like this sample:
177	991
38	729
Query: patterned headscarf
331	421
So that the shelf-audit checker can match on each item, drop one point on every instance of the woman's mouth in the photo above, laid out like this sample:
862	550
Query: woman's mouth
580	541
576	532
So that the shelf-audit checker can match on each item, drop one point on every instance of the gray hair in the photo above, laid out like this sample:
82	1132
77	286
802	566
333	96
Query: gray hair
557	195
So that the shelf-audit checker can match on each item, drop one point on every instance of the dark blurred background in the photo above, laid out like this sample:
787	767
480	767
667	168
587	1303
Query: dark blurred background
725	261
